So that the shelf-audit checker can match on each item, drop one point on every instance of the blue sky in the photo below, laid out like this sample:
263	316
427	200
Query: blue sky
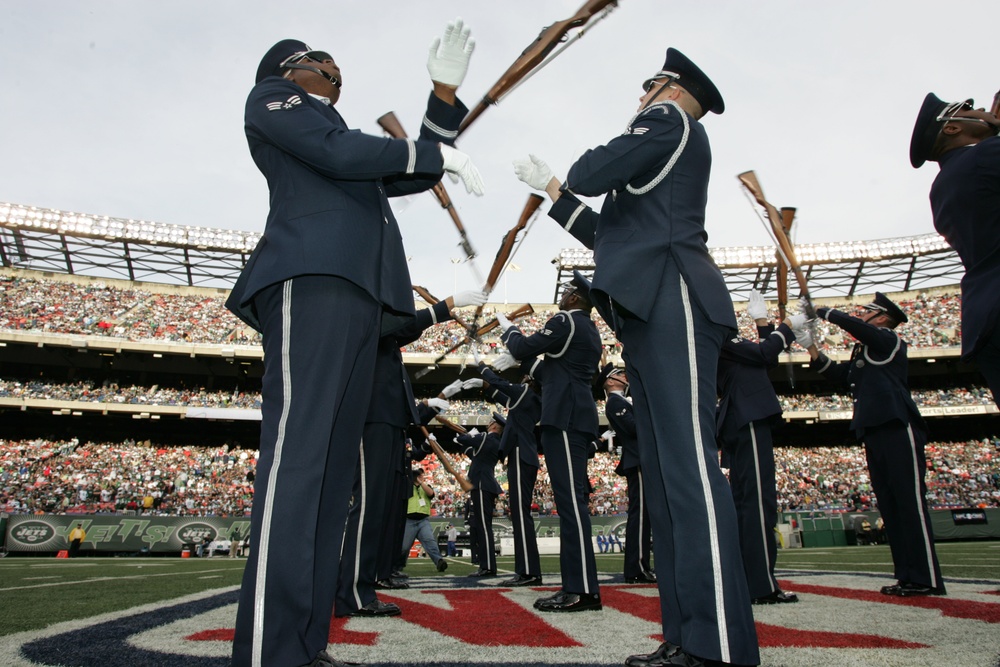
134	109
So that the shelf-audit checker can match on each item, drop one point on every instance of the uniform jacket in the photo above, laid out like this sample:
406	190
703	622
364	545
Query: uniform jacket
876	374
329	212
965	200
484	450
745	389
524	409
635	234
392	399
618	410
572	349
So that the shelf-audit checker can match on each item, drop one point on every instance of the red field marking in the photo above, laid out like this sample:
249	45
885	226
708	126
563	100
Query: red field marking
338	635
776	636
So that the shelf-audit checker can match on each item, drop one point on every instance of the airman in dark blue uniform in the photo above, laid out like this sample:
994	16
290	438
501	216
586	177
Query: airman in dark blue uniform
656	284
965	201
748	406
484	450
571	347
638	530
329	264
519	448
887	420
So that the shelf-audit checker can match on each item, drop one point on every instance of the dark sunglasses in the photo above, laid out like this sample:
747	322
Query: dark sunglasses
316	56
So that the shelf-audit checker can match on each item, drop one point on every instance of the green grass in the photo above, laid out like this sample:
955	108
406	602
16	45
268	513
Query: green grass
37	592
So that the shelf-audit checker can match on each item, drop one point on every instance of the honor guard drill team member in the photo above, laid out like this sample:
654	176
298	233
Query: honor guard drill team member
484	450
638	531
372	515
747	408
655	283
329	264
965	201
519	448
572	349
887	420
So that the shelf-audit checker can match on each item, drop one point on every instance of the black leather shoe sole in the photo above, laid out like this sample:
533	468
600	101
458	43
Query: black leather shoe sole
519	581
570	602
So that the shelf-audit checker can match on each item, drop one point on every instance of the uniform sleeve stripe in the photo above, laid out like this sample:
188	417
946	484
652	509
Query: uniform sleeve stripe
438	130
411	165
572	218
782	336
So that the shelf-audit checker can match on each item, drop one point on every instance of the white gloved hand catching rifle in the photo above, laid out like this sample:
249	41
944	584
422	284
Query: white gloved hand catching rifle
756	308
797	321
448	60
469	298
439	404
503	322
458	163
534	172
452	389
474	383
505	361
803	338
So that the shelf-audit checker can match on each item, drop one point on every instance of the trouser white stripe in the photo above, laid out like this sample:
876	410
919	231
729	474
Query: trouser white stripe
713	529
518	475
361	526
265	530
760	506
642	524
928	546
576	514
489	564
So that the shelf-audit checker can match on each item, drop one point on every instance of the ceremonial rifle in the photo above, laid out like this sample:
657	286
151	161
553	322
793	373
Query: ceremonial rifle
521	311
463	482
391	125
540	52
431	300
507	249
787	217
749	181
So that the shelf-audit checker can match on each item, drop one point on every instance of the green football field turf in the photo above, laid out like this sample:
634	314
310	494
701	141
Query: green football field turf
37	592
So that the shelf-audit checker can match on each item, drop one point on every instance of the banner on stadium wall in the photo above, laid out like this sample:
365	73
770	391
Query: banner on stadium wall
119	533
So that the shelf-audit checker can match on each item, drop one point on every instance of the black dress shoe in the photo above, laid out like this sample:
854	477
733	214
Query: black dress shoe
907	589
777	597
657	657
391	584
442	565
484	573
522	580
644	578
570	602
399	574
378	608
323	659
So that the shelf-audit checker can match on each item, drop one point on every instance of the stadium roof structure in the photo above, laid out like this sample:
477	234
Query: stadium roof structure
102	246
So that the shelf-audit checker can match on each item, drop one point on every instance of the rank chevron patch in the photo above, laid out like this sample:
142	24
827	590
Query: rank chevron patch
840	619
292	101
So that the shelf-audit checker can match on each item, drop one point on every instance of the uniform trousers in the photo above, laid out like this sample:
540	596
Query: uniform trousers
988	362
371	509
521	479
319	339
751	475
897	467
672	360
392	559
566	462
484	544
638	531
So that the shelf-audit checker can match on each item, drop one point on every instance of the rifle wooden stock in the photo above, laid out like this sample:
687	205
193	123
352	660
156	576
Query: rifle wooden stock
533	56
447	423
995	109
787	217
431	300
750	182
521	311
463	482
391	125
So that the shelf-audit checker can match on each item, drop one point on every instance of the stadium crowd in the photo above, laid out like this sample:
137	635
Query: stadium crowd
104	309
42	476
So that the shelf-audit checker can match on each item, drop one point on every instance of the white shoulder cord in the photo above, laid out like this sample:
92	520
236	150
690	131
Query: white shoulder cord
673	158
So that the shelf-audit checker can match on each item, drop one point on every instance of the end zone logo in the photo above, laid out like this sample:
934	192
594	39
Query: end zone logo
32	533
193	532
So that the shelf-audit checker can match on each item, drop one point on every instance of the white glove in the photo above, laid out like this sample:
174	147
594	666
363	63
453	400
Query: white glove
474	383
458	163
505	361
449	56
439	404
431	438
471	298
803	337
452	389
607	435
533	171
472	431
475	354
756	308
503	322
798	320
